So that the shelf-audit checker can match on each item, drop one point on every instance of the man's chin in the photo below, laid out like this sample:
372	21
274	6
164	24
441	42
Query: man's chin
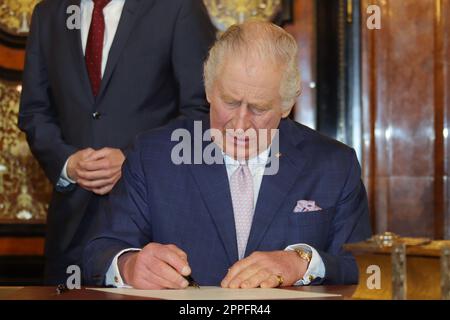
239	153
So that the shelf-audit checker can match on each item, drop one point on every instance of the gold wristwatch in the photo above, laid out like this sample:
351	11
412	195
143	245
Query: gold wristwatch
304	254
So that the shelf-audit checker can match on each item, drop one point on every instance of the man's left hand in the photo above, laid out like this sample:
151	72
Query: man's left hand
265	269
101	170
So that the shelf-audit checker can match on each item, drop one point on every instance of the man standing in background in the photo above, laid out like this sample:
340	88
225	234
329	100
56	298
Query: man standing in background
132	66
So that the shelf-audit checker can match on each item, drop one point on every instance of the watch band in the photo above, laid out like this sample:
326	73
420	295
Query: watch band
303	254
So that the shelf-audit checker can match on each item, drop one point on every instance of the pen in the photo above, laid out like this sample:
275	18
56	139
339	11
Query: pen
192	282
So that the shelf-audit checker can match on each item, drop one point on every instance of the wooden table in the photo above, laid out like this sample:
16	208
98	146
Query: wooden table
49	293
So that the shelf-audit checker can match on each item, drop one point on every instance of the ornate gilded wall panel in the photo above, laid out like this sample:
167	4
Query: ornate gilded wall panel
15	16
24	190
225	13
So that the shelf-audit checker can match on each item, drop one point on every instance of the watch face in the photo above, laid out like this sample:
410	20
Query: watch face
15	16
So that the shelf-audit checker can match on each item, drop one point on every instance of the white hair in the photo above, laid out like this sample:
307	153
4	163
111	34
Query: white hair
268	42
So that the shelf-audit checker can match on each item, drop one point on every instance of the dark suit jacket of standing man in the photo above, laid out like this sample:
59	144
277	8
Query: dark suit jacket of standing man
190	206
153	73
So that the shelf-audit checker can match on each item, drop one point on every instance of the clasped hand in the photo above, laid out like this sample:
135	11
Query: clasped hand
96	170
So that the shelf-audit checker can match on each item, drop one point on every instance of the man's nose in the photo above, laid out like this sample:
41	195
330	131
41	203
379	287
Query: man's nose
242	119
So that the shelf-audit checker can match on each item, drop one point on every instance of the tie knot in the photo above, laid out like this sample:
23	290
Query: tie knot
243	170
101	3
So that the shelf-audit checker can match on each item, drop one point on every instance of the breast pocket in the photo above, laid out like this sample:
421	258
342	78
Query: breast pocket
311	228
311	217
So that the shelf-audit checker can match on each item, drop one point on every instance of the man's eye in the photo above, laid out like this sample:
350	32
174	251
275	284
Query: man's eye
258	111
232	103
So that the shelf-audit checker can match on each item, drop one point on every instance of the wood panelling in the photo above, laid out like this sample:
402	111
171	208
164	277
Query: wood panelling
405	116
18	246
440	35
445	55
304	31
11	58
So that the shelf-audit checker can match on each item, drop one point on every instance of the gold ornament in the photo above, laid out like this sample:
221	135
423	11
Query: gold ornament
24	190
15	16
225	13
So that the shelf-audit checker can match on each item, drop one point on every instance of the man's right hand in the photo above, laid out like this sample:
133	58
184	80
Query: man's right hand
74	161
96	171
156	266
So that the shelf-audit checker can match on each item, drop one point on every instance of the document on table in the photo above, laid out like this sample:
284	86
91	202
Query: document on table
217	293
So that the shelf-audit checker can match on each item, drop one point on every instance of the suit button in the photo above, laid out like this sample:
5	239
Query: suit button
96	115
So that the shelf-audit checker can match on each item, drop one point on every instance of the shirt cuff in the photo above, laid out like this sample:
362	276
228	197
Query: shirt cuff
64	180
113	277
316	268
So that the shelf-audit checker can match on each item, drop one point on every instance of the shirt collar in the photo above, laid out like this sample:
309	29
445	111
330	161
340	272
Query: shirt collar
255	164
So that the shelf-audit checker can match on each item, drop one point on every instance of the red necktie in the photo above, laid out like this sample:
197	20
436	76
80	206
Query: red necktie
94	46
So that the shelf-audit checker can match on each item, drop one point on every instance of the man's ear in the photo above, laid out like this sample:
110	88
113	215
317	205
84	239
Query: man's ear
208	97
285	113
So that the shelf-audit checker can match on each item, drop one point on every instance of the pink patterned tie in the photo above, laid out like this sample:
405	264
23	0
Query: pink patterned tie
241	185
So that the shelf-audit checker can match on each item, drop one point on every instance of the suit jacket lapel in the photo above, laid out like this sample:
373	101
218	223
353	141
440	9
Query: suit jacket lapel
275	188
126	24
74	38
212	181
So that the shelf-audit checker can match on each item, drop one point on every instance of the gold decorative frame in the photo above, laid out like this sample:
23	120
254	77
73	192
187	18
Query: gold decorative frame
24	190
225	13
15	16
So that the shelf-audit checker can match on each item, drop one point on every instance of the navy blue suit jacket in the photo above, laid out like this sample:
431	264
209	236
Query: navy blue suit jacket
153	74
190	206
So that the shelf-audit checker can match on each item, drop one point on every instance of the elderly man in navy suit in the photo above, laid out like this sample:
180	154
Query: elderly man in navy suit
273	208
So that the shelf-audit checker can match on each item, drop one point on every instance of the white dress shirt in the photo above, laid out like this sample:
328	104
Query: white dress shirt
112	13
316	268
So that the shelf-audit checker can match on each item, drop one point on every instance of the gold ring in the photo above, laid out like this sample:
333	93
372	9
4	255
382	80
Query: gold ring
280	280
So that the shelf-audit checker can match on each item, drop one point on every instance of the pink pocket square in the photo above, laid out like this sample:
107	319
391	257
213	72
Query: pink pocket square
306	206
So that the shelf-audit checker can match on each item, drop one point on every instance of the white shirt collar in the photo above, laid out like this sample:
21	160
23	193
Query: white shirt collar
255	164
